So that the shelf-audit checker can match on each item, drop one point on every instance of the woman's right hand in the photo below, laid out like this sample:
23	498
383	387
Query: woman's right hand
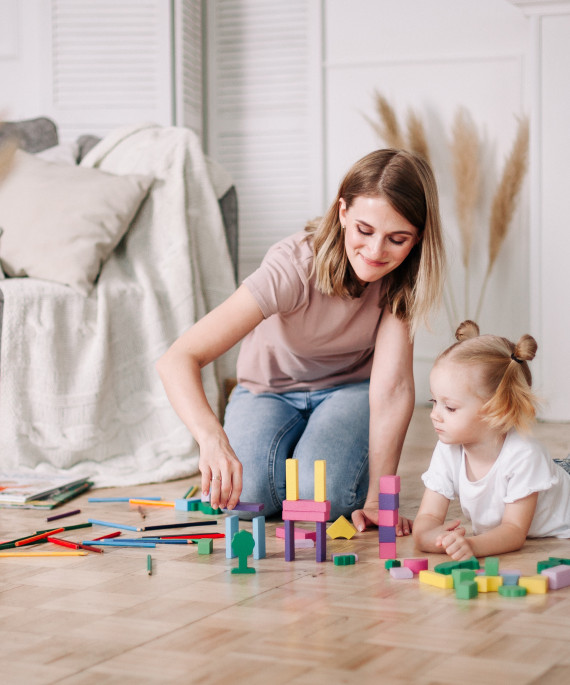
221	472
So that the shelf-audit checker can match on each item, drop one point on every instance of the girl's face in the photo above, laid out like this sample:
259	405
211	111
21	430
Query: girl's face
456	413
377	238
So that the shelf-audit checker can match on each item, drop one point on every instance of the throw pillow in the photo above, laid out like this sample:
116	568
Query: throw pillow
61	222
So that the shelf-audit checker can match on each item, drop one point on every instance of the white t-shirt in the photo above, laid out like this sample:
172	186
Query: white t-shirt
522	467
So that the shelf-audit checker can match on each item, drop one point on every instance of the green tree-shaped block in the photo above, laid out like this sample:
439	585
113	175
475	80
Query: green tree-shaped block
243	544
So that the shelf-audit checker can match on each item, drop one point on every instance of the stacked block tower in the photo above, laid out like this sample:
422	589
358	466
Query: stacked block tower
295	509
388	505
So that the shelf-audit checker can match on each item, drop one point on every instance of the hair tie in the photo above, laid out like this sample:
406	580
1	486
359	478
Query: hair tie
516	359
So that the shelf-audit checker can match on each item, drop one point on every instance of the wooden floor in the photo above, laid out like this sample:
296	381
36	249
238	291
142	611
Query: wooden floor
102	619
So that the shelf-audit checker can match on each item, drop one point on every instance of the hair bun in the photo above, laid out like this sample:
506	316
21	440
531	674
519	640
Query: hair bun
467	329
526	348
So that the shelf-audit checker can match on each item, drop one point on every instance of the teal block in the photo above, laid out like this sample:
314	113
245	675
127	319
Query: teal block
232	527
462	575
344	559
512	590
182	505
392	563
258	525
547	563
447	567
492	566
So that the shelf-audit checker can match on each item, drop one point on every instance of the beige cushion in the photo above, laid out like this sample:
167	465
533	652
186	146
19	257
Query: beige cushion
61	222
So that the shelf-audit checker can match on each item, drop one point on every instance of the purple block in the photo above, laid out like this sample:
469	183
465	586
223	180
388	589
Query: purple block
388	501
558	576
321	543
249	506
386	534
289	541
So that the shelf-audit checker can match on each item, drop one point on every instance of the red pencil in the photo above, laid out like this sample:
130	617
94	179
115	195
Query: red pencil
74	545
35	538
109	535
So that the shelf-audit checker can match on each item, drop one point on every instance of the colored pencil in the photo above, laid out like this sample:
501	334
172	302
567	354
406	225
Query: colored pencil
120	499
62	516
74	527
119	543
188	537
109	535
164	526
150	502
77	553
73	545
149	564
12	543
35	538
141	512
113	525
162	541
192	491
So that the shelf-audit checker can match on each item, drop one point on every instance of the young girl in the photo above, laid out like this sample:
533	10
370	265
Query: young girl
325	367
507	484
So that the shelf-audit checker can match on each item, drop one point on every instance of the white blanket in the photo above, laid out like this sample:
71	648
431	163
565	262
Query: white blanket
79	393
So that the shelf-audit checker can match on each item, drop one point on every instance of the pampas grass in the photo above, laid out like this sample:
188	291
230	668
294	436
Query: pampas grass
505	200
7	150
465	153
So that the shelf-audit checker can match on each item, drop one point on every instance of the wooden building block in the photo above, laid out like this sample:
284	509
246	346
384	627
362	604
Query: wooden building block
387	517
436	579
462	575
300	534
341	528
512	591
446	567
510	577
258	527
205	546
416	565
343	559
306	505
386	534
388	501
232	527
292	479
320	480
321	543
401	572
315	516
492	566
468	589
389	484
488	583
535	585
392	563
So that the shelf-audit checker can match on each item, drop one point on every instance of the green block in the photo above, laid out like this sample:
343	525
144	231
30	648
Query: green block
462	575
547	563
492	566
560	560
447	567
512	590
205	546
466	590
392	563
206	508
344	560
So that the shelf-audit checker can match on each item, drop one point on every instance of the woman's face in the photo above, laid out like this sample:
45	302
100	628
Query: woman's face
377	238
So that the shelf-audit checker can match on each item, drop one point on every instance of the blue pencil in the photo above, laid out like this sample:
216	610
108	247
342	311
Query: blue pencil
119	543
120	499
161	541
114	525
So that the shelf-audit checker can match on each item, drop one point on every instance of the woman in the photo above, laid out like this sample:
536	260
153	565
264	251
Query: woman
325	366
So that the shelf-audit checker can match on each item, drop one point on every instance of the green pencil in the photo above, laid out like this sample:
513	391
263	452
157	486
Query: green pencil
149	564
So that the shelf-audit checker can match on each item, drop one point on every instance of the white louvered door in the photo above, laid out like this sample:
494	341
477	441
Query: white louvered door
115	62
264	114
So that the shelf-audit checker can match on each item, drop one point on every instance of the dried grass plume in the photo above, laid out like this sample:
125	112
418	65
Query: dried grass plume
417	136
389	128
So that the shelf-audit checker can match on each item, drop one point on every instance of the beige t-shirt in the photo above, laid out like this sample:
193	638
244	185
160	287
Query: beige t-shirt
307	340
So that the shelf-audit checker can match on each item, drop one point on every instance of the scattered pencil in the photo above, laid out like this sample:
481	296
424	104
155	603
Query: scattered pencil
74	527
120	499
74	545
141	512
191	491
61	516
77	553
151	502
114	525
179	525
119	543
35	538
109	535
193	536
149	564
162	541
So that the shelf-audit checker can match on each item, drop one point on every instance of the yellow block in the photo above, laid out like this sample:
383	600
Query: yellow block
535	585
488	583
341	528
320	480
291	479
436	579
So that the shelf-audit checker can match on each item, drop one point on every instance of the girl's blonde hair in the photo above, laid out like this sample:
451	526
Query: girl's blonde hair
506	378
407	182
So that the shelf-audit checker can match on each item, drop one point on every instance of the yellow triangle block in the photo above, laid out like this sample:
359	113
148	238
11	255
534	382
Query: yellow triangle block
341	528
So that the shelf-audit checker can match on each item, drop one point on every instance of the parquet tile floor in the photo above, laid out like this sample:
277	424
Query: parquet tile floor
102	619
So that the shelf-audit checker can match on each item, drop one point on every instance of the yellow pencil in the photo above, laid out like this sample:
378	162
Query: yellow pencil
43	554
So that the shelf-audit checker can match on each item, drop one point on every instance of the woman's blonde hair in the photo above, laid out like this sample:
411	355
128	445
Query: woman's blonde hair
505	374
406	181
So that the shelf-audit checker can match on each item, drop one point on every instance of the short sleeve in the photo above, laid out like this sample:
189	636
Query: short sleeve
530	469
442	475
281	281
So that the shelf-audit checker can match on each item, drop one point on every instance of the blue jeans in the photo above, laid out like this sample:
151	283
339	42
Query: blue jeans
266	429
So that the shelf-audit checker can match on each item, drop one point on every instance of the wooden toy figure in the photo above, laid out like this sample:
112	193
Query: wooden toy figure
243	544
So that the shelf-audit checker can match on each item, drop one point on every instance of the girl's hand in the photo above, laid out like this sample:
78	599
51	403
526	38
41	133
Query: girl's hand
221	472
368	516
455	544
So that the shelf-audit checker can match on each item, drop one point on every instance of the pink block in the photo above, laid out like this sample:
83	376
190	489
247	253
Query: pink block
306	505
316	516
401	573
558	576
389	485
300	534
416	565
387	550
387	517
